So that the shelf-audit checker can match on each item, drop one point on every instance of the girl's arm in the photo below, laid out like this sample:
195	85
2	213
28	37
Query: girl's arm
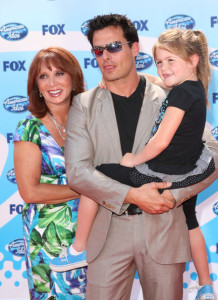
168	126
155	80
27	165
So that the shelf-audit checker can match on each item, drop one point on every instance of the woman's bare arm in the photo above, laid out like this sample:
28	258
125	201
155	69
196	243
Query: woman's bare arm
27	165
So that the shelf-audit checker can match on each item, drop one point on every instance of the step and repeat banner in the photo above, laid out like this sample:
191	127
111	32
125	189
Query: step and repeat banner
26	26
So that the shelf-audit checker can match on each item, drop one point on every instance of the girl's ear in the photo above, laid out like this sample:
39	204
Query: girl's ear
194	59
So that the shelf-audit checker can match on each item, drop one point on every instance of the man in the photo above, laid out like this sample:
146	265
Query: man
135	228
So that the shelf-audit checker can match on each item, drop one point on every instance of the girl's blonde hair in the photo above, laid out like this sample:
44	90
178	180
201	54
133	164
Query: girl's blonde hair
186	43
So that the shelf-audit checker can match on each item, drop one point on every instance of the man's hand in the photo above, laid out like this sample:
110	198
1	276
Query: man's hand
149	199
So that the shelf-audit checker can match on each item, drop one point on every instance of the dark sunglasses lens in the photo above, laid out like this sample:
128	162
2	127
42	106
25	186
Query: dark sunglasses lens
98	52
112	48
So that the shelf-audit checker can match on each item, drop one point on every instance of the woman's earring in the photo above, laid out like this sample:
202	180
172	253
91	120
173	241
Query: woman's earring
40	94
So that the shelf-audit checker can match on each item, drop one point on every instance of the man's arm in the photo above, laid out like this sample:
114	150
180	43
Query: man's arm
184	194
84	178
80	157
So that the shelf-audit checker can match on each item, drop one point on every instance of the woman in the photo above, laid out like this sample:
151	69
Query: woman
50	212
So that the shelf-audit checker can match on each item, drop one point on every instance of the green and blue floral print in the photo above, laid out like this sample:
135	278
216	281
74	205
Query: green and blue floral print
47	227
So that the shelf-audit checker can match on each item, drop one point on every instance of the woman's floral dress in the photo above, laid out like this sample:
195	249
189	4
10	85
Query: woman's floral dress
47	227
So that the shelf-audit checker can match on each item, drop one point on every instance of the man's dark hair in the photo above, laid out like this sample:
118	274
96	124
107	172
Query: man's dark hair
116	20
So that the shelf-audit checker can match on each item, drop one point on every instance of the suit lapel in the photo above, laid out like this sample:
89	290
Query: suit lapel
106	109
147	117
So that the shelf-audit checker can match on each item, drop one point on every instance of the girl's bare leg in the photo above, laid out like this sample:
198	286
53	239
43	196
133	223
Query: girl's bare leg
199	255
86	214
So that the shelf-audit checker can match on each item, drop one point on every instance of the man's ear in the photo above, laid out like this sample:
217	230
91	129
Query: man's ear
135	48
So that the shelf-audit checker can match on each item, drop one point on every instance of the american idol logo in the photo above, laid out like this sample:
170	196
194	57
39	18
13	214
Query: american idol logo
16	104
215	208
180	21
84	27
16	247
215	132
13	31
143	61
214	58
11	176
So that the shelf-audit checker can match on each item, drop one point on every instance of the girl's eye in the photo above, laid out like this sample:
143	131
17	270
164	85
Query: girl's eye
158	63
170	59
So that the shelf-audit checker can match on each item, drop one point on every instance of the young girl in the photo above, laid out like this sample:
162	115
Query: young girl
175	151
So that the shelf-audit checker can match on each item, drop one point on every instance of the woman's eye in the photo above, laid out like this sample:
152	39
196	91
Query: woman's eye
60	73
42	76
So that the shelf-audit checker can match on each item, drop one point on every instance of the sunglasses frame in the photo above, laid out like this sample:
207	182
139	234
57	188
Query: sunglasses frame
117	48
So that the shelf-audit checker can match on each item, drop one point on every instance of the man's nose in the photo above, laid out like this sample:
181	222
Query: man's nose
106	54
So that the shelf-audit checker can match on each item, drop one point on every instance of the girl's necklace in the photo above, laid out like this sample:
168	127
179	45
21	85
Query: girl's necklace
58	126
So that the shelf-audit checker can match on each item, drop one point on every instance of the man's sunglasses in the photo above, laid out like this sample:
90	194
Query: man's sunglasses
112	48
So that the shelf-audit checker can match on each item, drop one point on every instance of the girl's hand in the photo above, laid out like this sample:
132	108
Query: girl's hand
128	160
102	84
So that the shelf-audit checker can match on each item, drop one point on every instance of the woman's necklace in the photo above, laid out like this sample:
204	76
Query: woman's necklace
58	126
